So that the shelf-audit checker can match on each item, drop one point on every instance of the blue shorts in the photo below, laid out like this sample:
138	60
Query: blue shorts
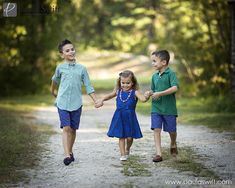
68	118
168	122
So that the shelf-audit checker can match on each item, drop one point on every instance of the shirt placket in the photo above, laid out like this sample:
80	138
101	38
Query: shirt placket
70	86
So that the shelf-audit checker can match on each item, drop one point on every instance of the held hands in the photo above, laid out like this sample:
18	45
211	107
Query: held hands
147	94
156	95
98	103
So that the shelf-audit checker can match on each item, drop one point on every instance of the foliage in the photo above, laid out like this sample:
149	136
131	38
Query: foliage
197	34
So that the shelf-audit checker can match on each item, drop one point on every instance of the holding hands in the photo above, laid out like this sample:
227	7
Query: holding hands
143	98
147	94
154	95
99	103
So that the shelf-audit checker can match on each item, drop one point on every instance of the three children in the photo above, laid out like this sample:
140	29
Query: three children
70	76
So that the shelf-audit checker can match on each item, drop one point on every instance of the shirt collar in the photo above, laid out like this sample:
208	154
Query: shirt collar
70	63
165	71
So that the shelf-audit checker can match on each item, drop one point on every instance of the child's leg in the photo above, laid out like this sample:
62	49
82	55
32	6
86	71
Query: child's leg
129	142
173	136
72	140
122	146
157	139
66	139
173	147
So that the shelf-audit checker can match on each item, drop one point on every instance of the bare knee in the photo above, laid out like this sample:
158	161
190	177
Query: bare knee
67	129
172	133
157	131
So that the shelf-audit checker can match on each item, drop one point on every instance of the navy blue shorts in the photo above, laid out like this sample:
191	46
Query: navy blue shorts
168	122
68	118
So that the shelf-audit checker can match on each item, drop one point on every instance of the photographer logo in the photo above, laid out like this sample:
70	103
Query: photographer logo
9	9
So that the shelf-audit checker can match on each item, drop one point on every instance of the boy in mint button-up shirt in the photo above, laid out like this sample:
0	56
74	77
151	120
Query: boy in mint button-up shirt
70	76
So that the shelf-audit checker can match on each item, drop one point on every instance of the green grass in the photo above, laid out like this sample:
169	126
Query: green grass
103	85
26	103
20	136
187	161
200	111
20	140
211	112
135	167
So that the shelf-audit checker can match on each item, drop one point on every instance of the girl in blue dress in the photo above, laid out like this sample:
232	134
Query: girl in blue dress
124	123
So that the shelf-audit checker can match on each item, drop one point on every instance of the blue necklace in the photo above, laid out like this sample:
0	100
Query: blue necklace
124	100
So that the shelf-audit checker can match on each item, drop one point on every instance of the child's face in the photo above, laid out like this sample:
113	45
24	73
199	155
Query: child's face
68	52
126	83
157	63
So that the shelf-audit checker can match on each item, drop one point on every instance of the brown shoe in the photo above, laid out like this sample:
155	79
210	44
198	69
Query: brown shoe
157	158
174	151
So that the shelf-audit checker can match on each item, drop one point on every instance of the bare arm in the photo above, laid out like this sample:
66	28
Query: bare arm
168	91
140	96
110	95
100	102
54	88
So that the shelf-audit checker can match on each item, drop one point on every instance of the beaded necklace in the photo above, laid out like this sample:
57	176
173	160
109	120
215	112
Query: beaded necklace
120	96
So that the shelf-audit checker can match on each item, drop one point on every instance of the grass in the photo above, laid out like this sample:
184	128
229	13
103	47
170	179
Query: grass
198	111
102	85
20	138
26	103
187	161
134	167
192	111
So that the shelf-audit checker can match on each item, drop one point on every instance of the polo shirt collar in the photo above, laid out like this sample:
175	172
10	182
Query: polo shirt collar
167	70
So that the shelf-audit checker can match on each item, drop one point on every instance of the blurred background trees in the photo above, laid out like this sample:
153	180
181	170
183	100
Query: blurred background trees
196	32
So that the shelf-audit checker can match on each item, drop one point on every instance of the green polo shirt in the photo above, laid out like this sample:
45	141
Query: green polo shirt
165	105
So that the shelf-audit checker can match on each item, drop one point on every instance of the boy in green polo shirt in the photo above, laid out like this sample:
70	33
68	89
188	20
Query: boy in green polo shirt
164	112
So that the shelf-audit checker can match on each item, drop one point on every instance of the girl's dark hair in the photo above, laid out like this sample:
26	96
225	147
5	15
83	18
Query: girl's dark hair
62	44
125	74
163	55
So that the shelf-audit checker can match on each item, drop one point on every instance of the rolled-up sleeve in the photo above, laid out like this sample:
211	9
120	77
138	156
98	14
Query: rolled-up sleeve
56	77
86	81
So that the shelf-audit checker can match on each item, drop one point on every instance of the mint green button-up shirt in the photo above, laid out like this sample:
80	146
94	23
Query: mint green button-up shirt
70	77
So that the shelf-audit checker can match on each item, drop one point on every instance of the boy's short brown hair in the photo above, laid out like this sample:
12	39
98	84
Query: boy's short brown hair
162	54
62	44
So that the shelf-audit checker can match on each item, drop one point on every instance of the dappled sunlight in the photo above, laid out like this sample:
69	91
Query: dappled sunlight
107	65
90	130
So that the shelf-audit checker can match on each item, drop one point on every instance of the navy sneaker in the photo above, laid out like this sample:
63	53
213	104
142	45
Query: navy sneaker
67	160
72	157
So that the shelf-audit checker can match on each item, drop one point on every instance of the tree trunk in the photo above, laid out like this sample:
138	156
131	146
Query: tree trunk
232	72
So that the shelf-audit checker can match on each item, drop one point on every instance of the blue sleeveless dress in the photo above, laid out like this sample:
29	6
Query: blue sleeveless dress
124	123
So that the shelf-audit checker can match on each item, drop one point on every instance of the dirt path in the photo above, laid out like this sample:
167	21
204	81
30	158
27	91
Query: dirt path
97	156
